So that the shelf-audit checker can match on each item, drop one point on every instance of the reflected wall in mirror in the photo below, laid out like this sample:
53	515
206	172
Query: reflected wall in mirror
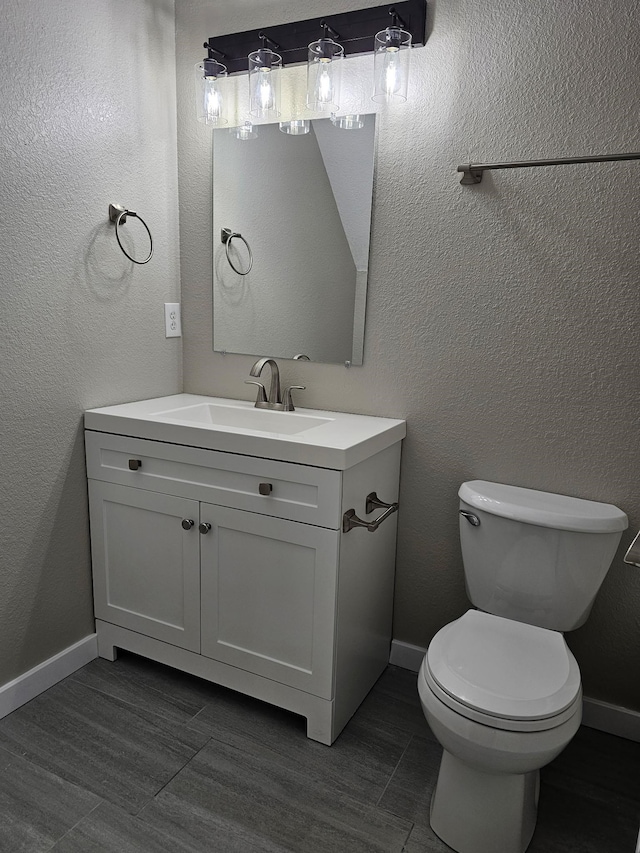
303	205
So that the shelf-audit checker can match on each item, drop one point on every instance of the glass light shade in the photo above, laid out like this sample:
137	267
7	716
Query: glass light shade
392	51
324	75
348	122
210	103
246	131
264	83
295	127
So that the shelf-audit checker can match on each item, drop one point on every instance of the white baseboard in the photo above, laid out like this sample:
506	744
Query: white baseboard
611	718
30	684
603	716
406	655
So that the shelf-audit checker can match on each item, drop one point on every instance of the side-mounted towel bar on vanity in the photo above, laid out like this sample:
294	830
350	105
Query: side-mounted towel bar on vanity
632	557
351	520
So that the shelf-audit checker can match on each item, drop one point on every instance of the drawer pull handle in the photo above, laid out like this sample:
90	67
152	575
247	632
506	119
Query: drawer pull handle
351	520
134	464
187	523
265	488
204	527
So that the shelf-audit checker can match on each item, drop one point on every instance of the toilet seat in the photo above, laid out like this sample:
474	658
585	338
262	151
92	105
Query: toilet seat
503	673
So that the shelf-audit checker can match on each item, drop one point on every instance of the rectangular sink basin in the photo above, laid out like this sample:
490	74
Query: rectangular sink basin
263	420
335	440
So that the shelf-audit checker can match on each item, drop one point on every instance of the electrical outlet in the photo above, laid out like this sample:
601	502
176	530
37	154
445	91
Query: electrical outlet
172	324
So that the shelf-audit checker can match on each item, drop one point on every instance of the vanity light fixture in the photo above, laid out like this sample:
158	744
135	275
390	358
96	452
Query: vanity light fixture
246	131
295	127
391	55
350	121
324	71
297	42
264	80
209	98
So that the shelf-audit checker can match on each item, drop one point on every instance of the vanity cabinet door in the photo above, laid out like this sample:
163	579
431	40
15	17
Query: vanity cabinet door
146	565
269	597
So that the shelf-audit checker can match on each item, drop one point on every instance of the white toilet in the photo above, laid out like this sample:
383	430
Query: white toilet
499	687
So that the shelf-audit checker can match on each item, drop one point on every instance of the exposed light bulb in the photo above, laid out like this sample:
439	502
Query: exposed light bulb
391	81
266	92
212	101
324	92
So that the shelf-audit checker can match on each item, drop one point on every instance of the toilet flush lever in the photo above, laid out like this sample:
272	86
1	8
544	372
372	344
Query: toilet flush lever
471	517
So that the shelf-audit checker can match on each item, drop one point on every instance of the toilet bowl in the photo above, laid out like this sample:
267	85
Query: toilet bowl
499	686
498	722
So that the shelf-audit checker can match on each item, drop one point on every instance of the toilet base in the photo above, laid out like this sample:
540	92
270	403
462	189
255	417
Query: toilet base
476	812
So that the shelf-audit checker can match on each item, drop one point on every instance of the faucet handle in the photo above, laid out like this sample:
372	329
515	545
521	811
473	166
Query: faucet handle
262	394
288	399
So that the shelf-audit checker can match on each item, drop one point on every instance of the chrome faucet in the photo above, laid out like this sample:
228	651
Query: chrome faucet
274	399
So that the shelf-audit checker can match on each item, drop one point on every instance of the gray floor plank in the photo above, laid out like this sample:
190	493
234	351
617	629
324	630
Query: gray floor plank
424	840
273	805
600	767
37	807
394	702
360	763
121	753
571	823
164	691
409	791
112	830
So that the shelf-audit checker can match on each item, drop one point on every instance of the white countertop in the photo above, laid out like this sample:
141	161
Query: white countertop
325	439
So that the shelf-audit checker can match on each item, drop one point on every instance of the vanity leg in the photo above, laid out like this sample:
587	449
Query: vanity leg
106	648
320	724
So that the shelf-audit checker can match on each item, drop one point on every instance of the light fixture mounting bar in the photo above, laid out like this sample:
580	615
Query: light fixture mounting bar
356	28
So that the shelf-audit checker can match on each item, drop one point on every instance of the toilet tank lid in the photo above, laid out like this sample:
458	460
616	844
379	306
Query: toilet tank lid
543	508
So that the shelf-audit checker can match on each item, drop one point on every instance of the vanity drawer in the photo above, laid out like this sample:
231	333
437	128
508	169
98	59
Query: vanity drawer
291	491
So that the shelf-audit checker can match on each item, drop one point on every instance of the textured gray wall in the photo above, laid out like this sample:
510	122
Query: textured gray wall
502	320
88	117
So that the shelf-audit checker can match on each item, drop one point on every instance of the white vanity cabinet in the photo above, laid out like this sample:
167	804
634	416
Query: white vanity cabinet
236	569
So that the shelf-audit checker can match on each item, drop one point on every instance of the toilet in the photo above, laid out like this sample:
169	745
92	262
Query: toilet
499	686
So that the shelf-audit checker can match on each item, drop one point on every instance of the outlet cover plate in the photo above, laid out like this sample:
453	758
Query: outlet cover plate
172	322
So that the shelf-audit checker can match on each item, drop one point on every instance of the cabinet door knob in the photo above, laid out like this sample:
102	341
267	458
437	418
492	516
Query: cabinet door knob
134	464
204	527
187	523
265	488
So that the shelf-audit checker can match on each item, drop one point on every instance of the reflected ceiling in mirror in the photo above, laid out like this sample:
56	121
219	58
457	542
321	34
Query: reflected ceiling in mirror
293	278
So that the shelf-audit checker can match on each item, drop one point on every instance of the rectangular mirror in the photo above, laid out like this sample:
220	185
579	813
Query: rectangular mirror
291	225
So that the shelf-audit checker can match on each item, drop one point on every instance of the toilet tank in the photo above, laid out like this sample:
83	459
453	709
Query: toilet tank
535	557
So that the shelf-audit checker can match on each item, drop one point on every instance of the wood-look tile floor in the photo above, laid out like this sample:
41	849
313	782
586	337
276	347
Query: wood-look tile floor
134	757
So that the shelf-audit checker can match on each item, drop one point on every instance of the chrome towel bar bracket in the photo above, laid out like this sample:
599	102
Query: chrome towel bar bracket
351	520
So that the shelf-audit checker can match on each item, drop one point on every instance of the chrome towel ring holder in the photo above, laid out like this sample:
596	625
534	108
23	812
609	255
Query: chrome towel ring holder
118	214
227	235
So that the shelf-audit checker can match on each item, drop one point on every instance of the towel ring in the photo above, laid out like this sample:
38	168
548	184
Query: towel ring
227	236
118	214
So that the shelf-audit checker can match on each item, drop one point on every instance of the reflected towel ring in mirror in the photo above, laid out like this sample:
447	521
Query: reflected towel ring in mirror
118	214
227	236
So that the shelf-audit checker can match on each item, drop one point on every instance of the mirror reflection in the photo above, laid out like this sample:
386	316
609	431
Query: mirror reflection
291	224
